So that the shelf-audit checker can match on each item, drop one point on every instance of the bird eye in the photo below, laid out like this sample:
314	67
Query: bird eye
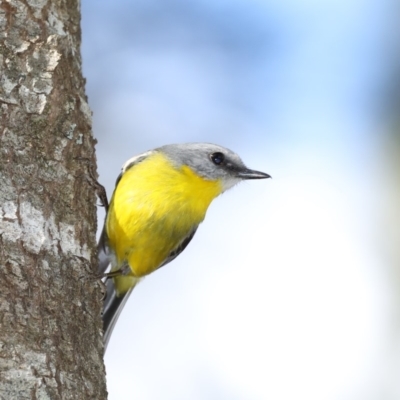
217	158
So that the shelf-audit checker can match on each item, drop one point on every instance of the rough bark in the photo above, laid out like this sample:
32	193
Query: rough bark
50	304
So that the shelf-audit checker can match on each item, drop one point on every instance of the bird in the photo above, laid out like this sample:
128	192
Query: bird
160	199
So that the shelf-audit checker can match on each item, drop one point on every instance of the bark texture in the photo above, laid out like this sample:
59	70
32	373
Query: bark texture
50	304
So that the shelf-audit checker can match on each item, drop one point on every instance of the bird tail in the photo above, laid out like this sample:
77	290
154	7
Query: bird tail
112	309
113	304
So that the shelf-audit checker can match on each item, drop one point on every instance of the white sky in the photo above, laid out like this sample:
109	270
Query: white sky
283	293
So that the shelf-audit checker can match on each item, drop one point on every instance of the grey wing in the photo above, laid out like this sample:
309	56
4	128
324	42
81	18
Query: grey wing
113	305
175	253
103	254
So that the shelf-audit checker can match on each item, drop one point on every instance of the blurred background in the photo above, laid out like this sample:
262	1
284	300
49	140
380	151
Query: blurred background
291	287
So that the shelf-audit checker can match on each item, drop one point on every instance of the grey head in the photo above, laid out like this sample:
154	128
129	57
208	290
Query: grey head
211	162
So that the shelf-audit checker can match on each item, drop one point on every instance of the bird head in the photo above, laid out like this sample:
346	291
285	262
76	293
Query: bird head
212	162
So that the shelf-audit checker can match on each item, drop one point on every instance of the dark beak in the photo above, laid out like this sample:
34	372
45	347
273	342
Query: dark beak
250	174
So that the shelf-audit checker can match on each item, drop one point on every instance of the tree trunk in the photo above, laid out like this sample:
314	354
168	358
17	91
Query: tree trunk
50	302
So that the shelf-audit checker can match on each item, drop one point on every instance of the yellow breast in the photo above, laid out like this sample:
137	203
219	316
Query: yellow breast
153	208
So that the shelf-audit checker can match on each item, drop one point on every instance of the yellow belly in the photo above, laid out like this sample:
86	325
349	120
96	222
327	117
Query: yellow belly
153	208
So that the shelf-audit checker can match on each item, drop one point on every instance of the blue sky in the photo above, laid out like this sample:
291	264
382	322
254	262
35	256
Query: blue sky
283	293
